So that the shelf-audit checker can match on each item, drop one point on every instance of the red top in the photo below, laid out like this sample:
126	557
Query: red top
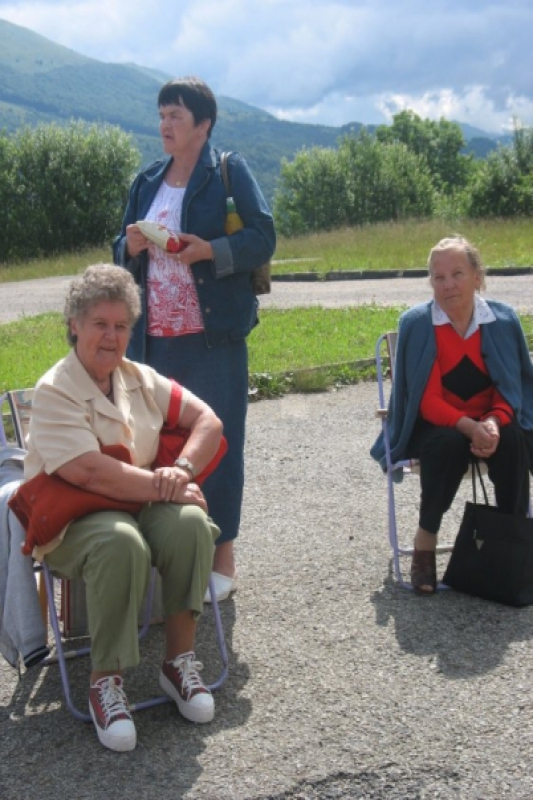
459	384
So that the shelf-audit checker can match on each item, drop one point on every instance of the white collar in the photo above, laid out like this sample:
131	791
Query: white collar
482	315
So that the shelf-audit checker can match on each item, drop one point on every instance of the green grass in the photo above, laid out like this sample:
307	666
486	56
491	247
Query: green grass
67	264
301	349
29	347
303	338
285	341
402	245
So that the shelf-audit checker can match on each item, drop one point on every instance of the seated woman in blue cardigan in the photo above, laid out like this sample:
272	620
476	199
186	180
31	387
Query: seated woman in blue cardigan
463	387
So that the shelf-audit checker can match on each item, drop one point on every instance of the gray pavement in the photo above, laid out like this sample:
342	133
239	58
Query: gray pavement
341	685
39	296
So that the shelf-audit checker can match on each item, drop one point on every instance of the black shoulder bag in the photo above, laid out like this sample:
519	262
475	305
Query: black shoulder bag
492	556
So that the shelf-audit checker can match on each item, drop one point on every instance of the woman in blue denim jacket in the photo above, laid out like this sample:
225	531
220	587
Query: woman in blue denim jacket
198	304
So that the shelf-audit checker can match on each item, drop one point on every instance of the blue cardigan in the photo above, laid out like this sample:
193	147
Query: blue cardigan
504	350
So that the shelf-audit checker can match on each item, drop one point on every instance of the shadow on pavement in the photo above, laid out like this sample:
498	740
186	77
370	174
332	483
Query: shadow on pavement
461	636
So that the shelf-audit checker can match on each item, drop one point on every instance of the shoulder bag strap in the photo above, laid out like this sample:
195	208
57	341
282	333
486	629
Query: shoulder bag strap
224	172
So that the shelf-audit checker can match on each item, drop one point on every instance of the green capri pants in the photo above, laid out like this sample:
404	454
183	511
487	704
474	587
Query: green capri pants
113	551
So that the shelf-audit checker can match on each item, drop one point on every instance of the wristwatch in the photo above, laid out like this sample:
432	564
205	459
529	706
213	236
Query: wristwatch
184	463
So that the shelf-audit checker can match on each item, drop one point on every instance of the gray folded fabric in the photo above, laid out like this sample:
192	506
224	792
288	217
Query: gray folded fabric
22	630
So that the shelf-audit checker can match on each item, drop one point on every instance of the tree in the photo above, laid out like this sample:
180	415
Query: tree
384	181
503	185
312	193
363	181
440	143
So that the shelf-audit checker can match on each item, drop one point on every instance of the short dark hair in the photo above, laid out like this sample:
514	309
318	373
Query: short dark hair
192	93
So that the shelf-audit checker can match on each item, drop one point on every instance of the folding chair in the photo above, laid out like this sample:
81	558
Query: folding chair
385	356
14	426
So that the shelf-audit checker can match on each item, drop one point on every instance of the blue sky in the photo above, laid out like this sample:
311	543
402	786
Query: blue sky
316	61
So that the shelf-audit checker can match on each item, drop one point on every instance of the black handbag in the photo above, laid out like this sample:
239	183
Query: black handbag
492	556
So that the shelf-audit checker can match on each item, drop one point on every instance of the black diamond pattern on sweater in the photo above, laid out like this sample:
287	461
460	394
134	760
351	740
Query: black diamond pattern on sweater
466	380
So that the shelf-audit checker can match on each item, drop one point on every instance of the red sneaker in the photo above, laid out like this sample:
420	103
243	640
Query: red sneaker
181	681
111	716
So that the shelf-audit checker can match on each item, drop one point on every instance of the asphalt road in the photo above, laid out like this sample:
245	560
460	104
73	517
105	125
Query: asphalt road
341	685
38	296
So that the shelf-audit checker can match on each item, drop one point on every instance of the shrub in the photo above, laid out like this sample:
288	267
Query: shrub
503	186
364	181
62	188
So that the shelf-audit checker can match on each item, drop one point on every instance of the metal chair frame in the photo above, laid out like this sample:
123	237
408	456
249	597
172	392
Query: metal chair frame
408	466
19	404
61	656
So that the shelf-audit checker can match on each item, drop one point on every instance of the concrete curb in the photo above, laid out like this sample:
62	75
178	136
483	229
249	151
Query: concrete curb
372	274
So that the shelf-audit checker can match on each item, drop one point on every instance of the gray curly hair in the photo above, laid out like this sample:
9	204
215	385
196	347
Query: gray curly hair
462	245
97	284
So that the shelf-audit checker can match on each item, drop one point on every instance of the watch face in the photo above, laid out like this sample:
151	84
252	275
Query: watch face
184	463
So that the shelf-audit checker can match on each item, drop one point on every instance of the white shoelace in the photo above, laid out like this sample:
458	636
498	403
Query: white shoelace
112	698
189	669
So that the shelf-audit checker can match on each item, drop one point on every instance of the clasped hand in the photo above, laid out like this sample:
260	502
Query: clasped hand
175	486
485	439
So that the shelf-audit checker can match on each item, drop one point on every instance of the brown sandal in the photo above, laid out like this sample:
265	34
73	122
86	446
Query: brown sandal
424	571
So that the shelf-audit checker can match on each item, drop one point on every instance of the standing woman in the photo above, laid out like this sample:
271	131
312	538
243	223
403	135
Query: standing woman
198	305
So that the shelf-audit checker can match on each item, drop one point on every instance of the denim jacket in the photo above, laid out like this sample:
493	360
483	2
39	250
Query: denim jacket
227	302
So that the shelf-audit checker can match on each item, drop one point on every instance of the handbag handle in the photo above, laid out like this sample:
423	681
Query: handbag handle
224	172
477	470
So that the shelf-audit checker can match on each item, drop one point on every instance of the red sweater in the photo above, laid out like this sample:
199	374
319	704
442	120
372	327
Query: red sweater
459	384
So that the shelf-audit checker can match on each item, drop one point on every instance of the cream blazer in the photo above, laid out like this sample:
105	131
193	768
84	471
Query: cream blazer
70	417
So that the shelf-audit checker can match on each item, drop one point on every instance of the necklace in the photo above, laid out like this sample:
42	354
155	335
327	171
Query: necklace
180	180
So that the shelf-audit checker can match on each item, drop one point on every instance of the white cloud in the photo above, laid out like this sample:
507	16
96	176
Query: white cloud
471	106
328	62
335	109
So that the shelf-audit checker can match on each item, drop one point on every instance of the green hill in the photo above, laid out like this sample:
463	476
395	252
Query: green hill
44	82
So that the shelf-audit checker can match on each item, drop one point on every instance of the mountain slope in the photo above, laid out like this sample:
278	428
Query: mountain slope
28	52
42	82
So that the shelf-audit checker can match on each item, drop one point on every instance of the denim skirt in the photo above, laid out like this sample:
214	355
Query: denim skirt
219	376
